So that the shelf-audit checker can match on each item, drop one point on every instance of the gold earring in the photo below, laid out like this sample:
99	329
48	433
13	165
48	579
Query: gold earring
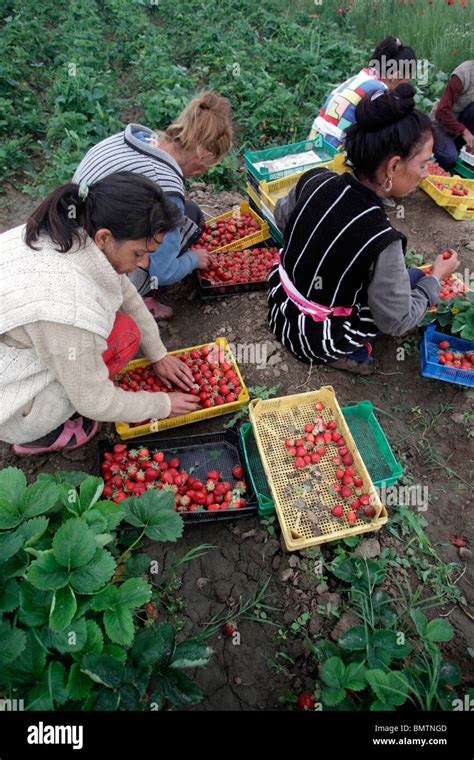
384	186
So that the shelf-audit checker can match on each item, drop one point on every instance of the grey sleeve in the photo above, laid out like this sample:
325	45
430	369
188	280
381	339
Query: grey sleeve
395	306
283	209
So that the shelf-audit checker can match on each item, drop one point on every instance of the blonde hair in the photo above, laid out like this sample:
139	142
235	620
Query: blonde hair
204	123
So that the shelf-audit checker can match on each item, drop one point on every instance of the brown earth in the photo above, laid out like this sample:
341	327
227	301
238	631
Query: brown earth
242	677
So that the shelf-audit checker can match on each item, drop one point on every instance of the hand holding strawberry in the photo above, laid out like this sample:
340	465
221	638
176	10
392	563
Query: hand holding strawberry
443	267
203	257
174	372
183	403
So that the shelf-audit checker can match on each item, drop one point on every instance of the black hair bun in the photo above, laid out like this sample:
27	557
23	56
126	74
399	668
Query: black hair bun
383	108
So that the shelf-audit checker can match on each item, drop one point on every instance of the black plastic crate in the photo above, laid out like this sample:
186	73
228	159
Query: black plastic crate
212	292
192	450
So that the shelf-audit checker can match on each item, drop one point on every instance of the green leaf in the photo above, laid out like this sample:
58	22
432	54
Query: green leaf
95	638
119	625
332	696
139	564
178	688
16	565
74	544
34	605
10	543
354	639
103	669
89	492
32	530
71	639
117	652
51	691
106	701
134	592
79	684
383	647
63	608
130	698
105	599
354	677
46	574
419	620
73	477
9	596
154	512
38	499
391	688
191	654
28	667
449	674
102	539
93	576
69	498
10	516
96	521
439	630
12	643
12	484
112	512
332	672
155	646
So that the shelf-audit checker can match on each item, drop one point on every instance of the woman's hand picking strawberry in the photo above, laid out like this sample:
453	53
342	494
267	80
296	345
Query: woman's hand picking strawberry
183	403
173	372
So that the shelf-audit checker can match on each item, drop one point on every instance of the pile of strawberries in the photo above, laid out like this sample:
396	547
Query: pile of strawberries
453	358
437	170
457	189
311	448
132	472
222	232
232	267
450	286
215	379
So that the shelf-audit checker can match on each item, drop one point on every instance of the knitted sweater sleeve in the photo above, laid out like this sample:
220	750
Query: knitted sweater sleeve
133	304
75	357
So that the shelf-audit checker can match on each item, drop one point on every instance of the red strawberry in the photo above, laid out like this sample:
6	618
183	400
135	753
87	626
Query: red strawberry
237	472
306	701
337	511
351	517
229	629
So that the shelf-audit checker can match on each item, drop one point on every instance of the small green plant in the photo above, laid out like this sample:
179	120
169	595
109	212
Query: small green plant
70	600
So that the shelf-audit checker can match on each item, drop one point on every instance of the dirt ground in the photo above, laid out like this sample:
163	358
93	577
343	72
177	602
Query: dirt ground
242	677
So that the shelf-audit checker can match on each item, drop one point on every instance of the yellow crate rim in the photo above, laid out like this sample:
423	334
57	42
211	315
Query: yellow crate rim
442	198
249	240
461	213
126	432
271	420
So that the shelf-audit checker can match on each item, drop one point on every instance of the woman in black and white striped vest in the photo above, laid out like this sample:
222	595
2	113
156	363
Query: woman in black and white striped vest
342	279
197	140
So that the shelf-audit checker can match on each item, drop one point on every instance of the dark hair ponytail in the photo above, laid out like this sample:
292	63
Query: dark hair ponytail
392	49
387	124
130	205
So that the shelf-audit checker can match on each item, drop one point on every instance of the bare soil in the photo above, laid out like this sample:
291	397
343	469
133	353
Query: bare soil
242	677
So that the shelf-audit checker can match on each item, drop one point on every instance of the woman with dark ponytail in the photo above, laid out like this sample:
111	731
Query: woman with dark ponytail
70	319
342	278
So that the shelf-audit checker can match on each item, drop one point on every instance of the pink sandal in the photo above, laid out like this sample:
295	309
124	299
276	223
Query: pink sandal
159	310
72	428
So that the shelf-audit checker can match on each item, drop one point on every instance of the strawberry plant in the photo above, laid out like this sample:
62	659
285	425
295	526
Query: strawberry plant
455	314
69	608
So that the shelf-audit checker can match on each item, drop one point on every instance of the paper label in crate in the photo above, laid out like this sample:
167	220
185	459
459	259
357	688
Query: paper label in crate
289	162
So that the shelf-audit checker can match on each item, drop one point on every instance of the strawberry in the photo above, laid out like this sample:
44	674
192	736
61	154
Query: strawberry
237	472
347	459
299	463
346	492
229	629
337	511
319	406
306	701
339	473
458	541
351	517
214	475
174	462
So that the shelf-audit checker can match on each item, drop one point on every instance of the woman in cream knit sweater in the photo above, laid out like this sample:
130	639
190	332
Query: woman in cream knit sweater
70	318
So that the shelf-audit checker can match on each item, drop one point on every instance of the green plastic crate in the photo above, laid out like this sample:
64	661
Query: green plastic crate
369	438
372	443
253	157
463	169
255	470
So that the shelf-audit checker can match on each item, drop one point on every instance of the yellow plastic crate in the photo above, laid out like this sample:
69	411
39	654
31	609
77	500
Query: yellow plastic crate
461	213
272	421
252	193
126	432
271	192
453	277
249	240
443	197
